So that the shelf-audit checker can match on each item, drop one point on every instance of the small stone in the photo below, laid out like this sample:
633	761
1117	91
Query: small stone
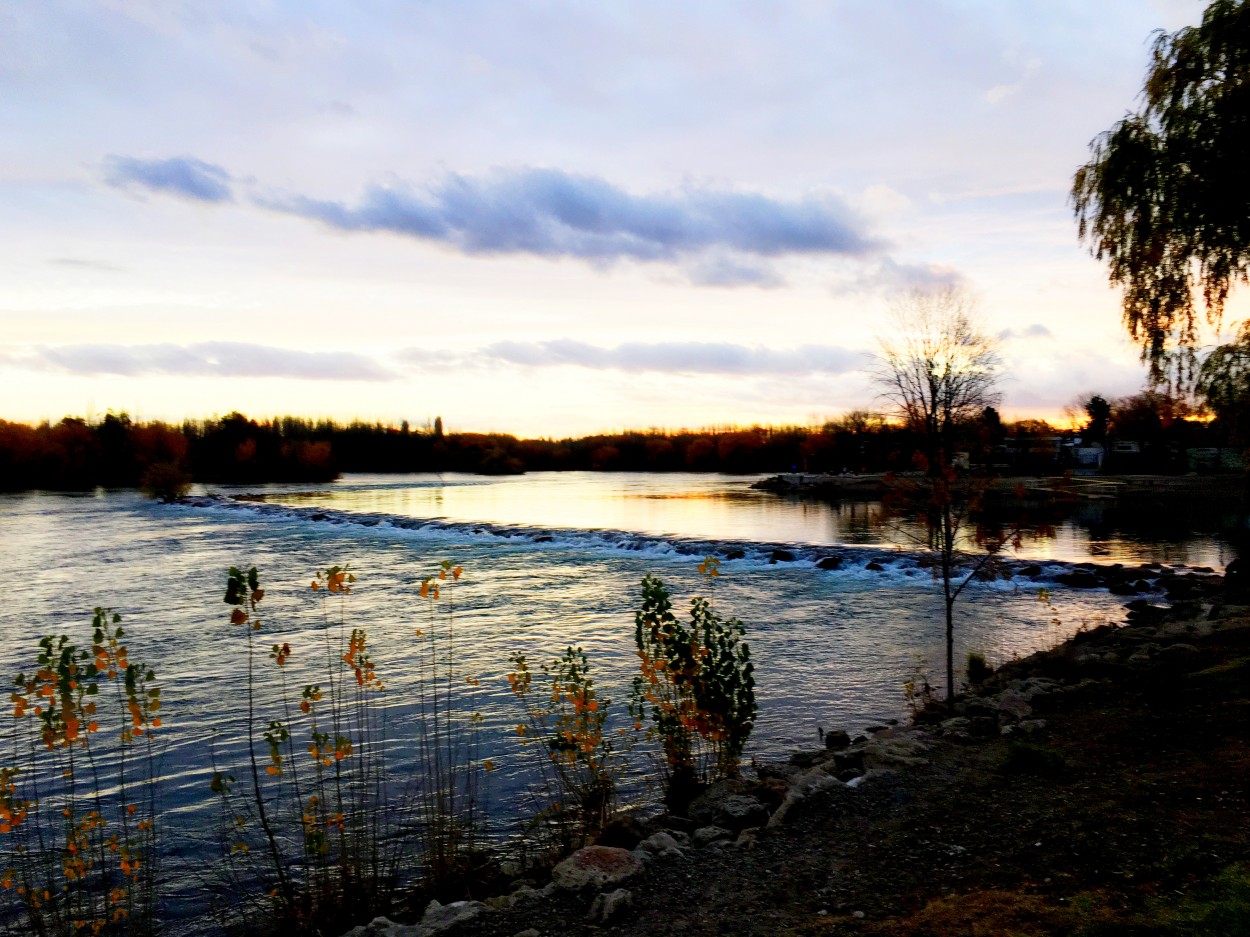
661	844
441	917
858	915
710	834
746	839
607	906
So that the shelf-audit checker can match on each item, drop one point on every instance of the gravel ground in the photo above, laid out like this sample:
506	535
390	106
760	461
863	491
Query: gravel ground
1126	813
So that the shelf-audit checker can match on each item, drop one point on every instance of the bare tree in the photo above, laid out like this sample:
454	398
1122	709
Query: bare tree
939	370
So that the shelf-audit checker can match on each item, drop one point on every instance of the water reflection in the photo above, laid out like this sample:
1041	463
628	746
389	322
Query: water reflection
724	507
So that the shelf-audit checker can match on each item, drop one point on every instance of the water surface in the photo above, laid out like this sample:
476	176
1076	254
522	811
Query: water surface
550	560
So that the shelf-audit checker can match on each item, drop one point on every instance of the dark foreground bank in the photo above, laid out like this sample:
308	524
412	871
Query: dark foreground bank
1095	789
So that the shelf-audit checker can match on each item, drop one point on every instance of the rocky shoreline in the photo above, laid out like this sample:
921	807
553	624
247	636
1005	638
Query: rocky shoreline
1108	774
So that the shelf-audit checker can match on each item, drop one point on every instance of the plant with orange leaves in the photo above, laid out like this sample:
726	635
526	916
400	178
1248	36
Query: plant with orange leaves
696	685
314	839
581	760
77	811
449	799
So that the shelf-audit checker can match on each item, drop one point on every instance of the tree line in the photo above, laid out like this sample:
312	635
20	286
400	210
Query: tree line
118	452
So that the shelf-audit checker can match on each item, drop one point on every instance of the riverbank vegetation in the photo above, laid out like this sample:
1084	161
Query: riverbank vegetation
76	454
317	829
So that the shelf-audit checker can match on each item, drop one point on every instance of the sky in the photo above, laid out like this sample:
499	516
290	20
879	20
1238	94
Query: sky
547	218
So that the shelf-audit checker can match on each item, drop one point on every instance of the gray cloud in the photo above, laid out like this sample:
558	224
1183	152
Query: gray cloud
890	276
667	357
551	213
1036	330
77	263
185	176
722	237
210	359
730	271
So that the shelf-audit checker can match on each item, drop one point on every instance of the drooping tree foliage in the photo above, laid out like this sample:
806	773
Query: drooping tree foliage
1224	386
1165	197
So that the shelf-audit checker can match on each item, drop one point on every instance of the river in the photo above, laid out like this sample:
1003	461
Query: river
549	560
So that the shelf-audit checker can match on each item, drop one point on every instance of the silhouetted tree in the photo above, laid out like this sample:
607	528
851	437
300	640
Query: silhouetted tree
1224	386
1165	198
1098	410
939	370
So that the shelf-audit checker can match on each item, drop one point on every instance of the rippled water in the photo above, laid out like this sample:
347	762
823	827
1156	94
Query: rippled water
550	560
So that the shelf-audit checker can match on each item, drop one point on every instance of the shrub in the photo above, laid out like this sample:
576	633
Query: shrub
449	799
78	809
979	669
306	838
567	721
696	685
165	481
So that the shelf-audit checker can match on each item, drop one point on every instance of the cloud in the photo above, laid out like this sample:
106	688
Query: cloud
719	358
731	271
889	276
77	263
1001	92
184	176
1036	330
723	237
210	359
550	213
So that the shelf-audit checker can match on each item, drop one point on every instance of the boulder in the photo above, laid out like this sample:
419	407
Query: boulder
623	831
594	867
437	918
661	844
441	917
722	805
874	566
895	752
1176	651
849	763
837	739
829	562
1079	580
1236	580
1013	706
781	556
711	834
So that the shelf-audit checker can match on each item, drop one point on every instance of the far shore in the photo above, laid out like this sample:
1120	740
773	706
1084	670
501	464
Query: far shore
1229	488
